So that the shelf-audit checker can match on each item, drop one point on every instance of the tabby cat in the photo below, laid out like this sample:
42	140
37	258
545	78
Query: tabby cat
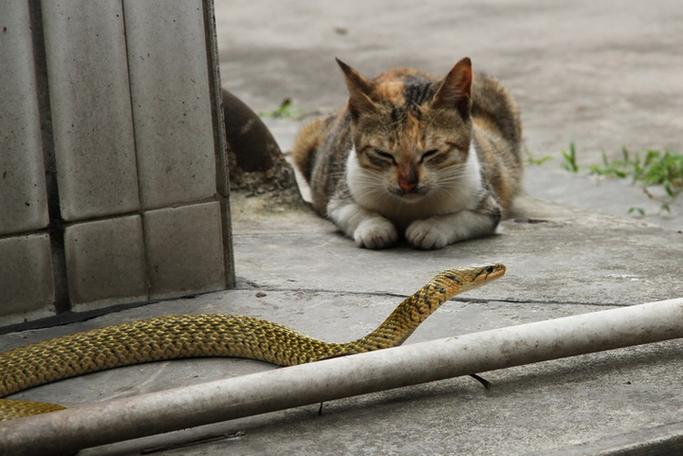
437	161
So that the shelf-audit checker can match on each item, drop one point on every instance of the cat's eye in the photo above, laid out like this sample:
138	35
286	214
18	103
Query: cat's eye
428	154
384	155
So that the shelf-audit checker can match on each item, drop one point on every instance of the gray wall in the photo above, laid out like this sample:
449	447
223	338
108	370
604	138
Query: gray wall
113	187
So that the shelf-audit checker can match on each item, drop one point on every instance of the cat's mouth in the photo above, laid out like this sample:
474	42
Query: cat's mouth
412	196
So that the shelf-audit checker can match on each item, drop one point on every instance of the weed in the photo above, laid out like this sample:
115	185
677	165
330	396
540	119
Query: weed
569	158
286	110
639	211
536	160
652	167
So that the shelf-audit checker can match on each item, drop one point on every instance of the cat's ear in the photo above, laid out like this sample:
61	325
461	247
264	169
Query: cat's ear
455	89
359	90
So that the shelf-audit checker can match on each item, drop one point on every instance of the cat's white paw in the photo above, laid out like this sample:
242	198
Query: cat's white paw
375	233
428	234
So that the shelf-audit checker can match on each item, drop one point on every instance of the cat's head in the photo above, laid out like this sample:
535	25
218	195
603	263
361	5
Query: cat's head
411	134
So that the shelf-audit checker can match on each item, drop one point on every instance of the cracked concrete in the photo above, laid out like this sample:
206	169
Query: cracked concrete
294	269
576	76
571	272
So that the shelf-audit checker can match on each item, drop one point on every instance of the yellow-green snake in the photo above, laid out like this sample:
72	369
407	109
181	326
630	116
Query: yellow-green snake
188	336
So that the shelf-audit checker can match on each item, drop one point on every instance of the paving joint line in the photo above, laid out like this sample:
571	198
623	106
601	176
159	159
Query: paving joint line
255	286
70	317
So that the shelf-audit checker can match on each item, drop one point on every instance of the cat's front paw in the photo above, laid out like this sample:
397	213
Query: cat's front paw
427	234
375	233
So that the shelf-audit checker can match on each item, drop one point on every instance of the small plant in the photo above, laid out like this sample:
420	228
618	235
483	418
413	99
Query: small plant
637	211
286	110
616	168
653	167
664	169
569	158
536	160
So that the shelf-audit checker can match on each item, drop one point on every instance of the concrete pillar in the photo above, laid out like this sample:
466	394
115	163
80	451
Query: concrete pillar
132	126
26	276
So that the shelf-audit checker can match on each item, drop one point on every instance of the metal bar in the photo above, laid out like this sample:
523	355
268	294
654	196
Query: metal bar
164	411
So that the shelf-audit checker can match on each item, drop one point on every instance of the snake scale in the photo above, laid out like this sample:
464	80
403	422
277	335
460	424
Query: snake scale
188	336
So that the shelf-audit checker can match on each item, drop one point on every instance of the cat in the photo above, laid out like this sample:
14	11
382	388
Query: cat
437	161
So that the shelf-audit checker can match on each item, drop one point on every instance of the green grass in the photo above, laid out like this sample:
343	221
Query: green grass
286	110
647	168
637	211
536	160
652	167
569	159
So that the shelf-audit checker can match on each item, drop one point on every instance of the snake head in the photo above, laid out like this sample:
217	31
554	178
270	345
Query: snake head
469	277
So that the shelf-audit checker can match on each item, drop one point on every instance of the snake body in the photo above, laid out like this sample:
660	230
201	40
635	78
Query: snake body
188	336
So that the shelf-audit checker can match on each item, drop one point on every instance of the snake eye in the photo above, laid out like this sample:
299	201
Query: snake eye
489	269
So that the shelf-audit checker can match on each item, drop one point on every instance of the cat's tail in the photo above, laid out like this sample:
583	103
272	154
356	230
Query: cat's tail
493	102
306	144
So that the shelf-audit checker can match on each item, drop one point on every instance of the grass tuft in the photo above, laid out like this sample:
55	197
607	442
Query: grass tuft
569	159
286	110
648	168
536	160
652	167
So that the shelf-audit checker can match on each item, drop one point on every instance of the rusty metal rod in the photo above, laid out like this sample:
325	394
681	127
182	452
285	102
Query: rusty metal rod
127	418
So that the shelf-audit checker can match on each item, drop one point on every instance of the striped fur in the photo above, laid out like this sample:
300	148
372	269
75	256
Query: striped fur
434	161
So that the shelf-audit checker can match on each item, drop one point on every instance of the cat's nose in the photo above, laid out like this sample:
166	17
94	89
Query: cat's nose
407	177
407	185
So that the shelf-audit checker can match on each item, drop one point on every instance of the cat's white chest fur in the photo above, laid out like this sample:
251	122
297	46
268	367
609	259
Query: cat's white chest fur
451	196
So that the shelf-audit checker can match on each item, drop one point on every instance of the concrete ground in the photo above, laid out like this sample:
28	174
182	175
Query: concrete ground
582	71
599	74
295	269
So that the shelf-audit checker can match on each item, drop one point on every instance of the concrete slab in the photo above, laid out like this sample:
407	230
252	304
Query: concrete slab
185	250
576	257
171	103
23	202
26	274
90	108
651	441
105	262
320	283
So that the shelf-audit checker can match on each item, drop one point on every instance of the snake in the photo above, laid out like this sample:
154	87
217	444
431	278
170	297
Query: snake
203	335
